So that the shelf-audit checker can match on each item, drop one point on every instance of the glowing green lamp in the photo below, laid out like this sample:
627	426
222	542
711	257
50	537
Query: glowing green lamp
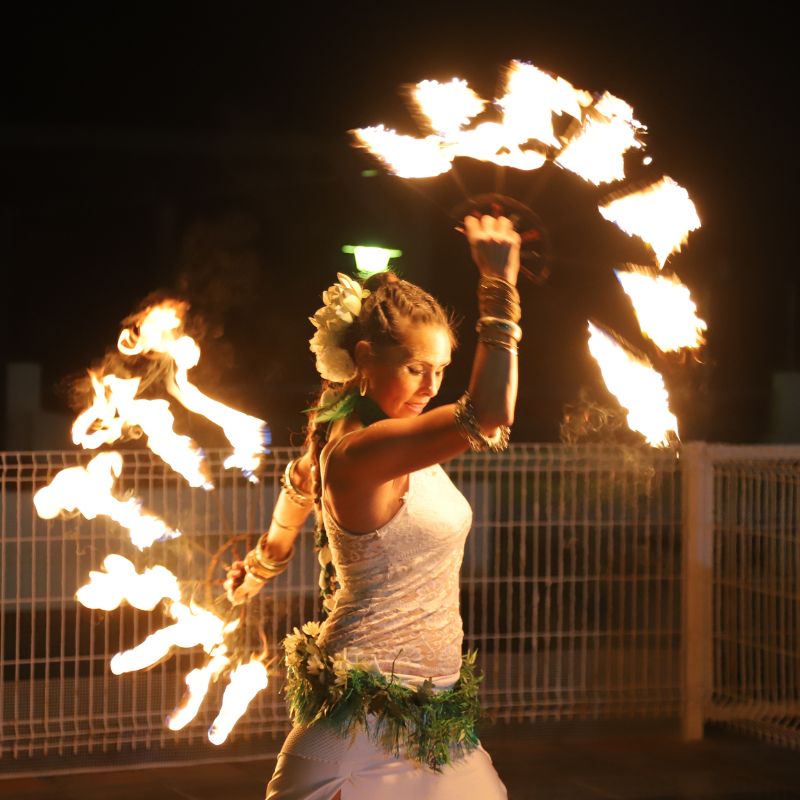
371	259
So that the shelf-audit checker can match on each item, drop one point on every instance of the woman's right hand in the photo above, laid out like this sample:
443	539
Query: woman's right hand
494	245
240	585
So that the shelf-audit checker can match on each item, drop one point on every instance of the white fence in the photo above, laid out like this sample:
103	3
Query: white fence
741	571
572	586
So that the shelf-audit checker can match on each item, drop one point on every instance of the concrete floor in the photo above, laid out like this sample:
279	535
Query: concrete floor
534	763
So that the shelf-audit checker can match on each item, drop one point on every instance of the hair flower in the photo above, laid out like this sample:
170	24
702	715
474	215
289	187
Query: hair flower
342	307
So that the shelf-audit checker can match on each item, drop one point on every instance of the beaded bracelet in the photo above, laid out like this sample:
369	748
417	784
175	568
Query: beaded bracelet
478	440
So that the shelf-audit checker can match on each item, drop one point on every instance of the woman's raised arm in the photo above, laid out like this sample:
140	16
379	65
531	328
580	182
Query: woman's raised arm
394	447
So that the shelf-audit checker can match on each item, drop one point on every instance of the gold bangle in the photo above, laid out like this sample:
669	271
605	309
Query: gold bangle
262	568
497	297
294	494
477	439
489	342
505	325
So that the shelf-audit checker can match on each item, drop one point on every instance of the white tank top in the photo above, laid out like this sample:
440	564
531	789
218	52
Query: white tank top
398	605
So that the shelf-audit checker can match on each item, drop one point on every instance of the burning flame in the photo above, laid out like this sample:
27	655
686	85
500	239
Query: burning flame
116	409
530	100
193	626
637	386
246	681
596	152
406	156
88	490
120	581
447	107
197	683
662	215
664	307
160	331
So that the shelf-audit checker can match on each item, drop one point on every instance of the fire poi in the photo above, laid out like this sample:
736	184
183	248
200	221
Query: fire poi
601	130
117	412
595	133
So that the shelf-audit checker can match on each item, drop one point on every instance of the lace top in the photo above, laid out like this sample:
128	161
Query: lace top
398	602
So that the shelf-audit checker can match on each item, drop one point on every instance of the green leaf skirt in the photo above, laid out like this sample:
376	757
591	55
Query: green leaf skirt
423	723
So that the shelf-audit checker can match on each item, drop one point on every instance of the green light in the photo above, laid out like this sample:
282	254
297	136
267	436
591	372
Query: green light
371	259
369	173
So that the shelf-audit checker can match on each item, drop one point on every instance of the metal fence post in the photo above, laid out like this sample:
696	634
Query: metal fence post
697	481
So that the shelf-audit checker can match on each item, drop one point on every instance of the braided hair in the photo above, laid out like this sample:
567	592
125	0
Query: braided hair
391	304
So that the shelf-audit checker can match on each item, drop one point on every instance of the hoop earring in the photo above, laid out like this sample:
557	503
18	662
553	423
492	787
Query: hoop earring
362	385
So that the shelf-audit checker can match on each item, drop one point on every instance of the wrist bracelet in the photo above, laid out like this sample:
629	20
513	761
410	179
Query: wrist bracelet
504	345
262	568
505	325
468	424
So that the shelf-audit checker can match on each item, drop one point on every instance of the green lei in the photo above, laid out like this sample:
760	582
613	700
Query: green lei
426	725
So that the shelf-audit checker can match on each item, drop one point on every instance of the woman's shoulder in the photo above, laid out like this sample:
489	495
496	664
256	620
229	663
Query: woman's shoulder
341	431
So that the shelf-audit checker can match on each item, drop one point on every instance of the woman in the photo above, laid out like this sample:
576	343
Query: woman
383	705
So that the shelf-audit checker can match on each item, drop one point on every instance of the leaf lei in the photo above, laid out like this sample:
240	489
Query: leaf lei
429	726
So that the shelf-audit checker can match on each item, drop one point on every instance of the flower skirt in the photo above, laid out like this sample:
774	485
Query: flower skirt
316	762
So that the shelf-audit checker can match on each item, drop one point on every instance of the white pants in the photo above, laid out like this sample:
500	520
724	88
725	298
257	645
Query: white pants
316	762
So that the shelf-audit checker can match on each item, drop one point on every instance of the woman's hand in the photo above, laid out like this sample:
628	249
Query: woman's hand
239	585
494	245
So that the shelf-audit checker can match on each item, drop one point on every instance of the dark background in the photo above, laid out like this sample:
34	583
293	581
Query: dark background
202	148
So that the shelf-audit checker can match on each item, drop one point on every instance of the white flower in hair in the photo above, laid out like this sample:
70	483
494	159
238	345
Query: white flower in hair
341	309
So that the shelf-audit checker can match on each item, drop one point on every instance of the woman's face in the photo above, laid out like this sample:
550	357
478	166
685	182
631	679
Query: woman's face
404	378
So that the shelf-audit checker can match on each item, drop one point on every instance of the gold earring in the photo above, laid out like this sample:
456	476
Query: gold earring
362	385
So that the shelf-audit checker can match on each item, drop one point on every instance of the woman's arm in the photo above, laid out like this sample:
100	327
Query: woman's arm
277	544
394	447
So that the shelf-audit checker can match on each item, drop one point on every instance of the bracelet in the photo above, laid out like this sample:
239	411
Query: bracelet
278	524
292	492
505	325
501	343
468	424
498	297
260	567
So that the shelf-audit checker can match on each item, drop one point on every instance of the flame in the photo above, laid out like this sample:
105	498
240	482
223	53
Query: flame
406	156
197	683
120	581
193	626
116	409
246	681
160	331
637	386
88	490
608	132
447	107
530	100
664	307
662	215
490	142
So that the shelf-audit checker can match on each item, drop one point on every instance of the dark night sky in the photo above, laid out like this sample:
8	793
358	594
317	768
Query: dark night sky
204	146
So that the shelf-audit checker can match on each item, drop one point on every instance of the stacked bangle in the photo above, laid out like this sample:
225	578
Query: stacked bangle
294	494
498	298
262	568
477	439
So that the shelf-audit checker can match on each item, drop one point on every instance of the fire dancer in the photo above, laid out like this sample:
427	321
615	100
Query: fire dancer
383	703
